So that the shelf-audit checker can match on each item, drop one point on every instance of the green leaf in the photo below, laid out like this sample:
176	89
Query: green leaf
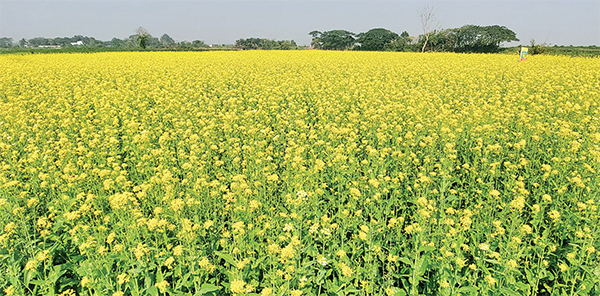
159	276
37	282
406	261
351	289
226	257
471	290
28	275
522	286
397	291
207	288
421	265
510	292
152	291
529	276
426	248
320	276
585	288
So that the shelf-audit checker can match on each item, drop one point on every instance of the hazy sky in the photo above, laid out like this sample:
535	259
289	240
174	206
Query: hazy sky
566	22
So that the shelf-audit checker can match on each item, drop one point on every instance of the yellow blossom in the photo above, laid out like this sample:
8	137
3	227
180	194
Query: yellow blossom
162	286
238	286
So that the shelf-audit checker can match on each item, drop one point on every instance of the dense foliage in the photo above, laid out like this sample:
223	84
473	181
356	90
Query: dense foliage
299	173
141	39
376	39
469	38
265	44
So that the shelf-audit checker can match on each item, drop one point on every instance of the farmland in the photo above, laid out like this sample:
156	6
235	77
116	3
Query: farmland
299	173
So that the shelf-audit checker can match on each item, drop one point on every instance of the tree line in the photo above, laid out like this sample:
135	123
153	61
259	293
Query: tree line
142	39
467	39
264	43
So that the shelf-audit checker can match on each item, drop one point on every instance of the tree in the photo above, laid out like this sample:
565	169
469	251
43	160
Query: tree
38	41
441	40
473	38
335	39
287	44
167	41
250	43
536	48
6	42
376	39
400	44
427	19
199	44
264	43
315	42
184	44
142	37
117	43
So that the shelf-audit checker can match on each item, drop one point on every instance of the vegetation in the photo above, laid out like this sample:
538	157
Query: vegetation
141	40
333	40
376	39
466	39
299	173
575	51
589	51
263	43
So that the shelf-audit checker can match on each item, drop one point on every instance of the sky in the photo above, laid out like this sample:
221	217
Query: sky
565	22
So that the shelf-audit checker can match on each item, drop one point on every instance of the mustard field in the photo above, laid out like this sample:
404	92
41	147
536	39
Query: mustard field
299	173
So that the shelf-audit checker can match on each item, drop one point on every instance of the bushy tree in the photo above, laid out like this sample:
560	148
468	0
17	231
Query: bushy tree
142	36
167	41
117	43
335	39
6	42
403	43
473	38
263	43
199	44
375	39
438	41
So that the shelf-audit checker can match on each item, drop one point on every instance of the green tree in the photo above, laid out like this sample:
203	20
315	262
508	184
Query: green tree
315	42
199	44
184	45
403	43
142	36
473	38
167	41
375	39
117	43
250	43
287	44
6	42
264	43
335	39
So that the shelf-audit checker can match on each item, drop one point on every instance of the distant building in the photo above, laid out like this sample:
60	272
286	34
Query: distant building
78	43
